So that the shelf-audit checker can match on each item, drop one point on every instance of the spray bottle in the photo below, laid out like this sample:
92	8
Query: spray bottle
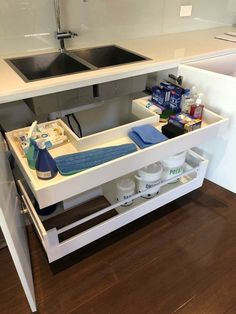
46	167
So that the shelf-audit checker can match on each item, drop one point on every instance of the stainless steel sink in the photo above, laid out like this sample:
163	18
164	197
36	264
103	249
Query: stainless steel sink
106	56
62	63
46	65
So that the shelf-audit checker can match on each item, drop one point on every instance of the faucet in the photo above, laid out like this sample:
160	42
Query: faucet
61	34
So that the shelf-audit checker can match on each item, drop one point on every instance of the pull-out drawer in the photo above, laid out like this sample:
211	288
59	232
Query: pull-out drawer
61	235
62	187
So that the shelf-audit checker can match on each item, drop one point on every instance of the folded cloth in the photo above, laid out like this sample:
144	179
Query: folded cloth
73	163
146	135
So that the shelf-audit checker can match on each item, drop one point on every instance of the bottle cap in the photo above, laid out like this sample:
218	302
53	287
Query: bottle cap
125	184
151	172
187	92
41	144
194	89
199	99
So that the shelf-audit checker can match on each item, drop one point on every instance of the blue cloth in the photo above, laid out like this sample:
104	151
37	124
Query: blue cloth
73	163
146	135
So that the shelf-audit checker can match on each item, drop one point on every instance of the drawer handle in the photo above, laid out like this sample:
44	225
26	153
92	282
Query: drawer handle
24	209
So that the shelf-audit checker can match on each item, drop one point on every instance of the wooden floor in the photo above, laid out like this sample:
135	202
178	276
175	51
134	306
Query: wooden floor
180	259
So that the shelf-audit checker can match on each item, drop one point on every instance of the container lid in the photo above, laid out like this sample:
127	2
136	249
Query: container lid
151	172
125	184
41	144
177	156
193	91
199	99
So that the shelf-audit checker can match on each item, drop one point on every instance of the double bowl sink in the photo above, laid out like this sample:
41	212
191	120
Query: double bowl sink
54	64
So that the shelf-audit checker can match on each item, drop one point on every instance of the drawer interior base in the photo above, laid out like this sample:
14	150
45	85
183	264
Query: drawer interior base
77	213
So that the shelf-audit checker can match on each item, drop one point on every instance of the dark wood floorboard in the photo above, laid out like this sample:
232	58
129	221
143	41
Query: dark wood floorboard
179	259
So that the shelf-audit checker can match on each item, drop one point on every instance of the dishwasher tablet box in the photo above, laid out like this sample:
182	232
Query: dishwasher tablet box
168	96
161	95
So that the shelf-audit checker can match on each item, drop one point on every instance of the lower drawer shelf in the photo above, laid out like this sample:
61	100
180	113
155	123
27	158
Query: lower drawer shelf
59	238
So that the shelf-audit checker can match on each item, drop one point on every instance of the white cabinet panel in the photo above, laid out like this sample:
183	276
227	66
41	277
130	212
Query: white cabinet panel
219	96
13	226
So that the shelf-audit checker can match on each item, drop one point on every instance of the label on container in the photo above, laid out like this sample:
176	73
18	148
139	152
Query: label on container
44	175
144	186
125	197
196	111
172	172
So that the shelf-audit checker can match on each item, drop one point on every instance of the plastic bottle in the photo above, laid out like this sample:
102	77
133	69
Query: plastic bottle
185	100
196	109
148	178
46	167
188	99
193	93
32	153
125	189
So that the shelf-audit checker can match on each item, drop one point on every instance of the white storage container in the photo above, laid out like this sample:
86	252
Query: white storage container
125	188
173	166
147	178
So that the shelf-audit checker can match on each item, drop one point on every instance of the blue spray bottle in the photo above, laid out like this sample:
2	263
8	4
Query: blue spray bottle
46	167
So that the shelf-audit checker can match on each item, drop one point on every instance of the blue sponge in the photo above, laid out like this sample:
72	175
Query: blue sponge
146	135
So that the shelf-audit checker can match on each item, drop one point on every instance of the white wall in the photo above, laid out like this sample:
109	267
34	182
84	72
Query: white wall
27	25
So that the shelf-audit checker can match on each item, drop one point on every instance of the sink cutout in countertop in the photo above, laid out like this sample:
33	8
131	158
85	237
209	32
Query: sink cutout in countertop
48	65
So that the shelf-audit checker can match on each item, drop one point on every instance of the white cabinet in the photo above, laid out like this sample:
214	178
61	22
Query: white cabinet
61	188
13	225
216	78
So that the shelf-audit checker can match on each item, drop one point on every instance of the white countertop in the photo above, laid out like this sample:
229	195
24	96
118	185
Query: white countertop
166	51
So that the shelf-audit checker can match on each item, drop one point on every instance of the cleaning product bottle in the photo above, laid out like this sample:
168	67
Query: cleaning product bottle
32	153
188	99
46	167
193	93
196	109
185	100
